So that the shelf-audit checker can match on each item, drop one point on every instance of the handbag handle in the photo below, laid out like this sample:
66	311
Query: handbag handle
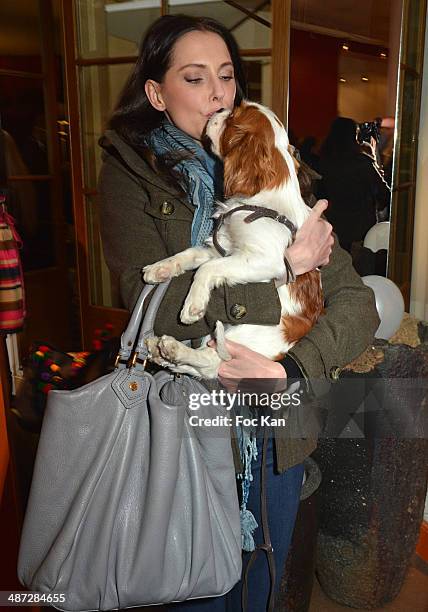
141	327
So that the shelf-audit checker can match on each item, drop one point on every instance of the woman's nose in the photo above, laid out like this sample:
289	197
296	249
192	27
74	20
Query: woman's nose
218	91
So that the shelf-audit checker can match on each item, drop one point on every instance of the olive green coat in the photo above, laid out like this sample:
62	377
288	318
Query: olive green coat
143	220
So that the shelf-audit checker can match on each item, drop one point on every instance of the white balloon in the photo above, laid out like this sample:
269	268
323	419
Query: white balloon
389	304
378	237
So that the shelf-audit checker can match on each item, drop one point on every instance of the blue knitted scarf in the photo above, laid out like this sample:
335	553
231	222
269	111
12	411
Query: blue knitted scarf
202	179
202	174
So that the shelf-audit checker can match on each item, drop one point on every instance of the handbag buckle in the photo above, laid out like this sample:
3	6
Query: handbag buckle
118	359
133	360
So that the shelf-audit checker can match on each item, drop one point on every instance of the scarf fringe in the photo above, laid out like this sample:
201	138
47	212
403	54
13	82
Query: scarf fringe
248	451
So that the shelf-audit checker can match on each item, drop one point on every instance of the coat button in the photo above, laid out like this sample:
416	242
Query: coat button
167	208
335	373
238	311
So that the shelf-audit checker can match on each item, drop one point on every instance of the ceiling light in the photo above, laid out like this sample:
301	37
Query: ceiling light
345	47
383	54
342	80
365	79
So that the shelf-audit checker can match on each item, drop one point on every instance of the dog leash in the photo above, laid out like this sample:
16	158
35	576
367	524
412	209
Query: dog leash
258	213
266	546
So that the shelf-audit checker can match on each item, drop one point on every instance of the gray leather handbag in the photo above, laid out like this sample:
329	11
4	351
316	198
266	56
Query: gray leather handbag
129	504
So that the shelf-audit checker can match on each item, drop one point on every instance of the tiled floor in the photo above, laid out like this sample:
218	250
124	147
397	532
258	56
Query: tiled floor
413	597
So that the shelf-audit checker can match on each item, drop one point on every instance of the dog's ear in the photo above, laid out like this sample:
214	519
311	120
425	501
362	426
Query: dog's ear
246	167
253	162
235	132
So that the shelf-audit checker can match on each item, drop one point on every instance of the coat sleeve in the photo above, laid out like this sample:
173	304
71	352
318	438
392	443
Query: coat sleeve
131	241
346	328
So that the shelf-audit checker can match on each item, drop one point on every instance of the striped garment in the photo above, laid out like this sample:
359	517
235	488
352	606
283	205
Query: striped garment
12	302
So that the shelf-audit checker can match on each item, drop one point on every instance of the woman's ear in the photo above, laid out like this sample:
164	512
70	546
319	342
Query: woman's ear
154	95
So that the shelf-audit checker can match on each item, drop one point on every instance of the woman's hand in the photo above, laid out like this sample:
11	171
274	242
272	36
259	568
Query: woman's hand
249	371
313	244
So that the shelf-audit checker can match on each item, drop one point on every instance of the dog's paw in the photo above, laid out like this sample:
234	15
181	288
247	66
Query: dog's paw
192	312
161	271
170	349
195	304
152	347
154	353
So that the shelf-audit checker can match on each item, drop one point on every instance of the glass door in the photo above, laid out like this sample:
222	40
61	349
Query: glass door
32	113
362	59
406	147
101	46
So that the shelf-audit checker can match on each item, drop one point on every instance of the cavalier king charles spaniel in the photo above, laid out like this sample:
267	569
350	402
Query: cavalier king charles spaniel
262	188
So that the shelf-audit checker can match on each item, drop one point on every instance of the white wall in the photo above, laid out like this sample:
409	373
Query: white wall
419	294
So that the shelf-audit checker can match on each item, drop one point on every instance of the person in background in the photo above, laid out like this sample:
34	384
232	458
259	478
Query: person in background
351	182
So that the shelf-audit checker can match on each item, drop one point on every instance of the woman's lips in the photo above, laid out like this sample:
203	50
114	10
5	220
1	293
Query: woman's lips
219	110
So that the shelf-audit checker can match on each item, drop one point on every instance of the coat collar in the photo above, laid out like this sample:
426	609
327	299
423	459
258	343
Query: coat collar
140	166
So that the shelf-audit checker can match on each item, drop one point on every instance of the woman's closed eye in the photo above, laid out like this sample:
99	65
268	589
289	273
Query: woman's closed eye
195	80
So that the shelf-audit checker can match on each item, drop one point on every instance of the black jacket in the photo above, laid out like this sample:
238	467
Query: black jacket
355	190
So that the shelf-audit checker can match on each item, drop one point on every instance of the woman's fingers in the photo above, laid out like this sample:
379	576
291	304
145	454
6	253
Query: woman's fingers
319	208
314	240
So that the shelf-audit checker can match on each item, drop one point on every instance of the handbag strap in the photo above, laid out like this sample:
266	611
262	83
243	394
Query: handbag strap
147	326
140	327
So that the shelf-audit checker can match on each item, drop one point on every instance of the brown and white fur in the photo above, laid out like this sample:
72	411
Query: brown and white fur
258	170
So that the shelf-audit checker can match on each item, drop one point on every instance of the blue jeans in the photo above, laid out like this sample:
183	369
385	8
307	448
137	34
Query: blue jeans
283	495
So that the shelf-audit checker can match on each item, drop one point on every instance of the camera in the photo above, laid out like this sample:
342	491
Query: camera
368	130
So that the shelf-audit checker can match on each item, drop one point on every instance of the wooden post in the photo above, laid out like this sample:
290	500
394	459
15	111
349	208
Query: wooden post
281	19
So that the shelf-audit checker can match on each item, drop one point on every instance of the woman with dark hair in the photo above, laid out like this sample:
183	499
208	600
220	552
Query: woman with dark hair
158	188
351	182
135	115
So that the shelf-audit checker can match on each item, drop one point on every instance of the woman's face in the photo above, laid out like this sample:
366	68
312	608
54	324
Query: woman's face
199	82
